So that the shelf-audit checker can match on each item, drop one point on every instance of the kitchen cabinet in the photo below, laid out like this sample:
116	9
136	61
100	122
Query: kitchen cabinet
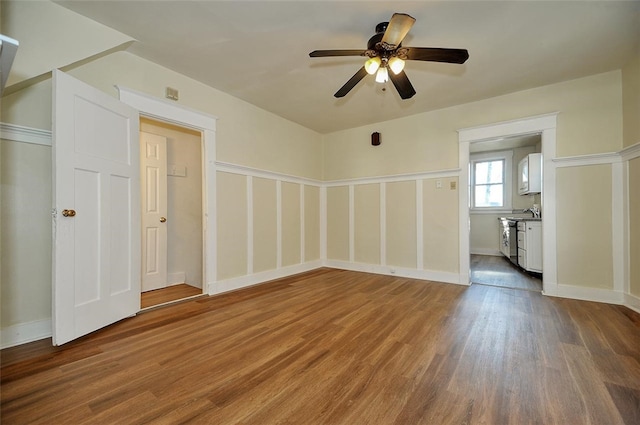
530	174
530	245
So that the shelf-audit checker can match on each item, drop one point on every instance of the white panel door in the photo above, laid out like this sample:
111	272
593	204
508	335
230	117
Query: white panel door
96	220
153	175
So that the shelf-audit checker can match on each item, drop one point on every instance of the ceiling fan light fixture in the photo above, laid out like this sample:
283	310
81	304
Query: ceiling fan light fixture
372	65
396	64
382	76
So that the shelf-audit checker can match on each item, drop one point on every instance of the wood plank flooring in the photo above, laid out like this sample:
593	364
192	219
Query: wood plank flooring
499	271
340	347
168	294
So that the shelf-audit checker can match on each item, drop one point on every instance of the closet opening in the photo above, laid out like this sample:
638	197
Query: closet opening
172	182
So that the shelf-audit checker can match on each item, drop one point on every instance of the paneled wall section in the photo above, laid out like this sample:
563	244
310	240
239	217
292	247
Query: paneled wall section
395	225
268	226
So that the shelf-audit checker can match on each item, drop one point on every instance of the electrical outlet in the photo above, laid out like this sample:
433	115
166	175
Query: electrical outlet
453	185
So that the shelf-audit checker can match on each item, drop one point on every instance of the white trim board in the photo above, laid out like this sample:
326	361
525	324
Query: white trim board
630	152
438	174
430	275
632	301
18	133
583	160
167	111
599	295
264	174
23	333
245	281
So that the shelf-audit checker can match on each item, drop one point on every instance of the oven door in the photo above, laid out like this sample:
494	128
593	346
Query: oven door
504	237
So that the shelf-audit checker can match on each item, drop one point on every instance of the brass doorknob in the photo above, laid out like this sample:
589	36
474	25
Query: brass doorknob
163	219
68	213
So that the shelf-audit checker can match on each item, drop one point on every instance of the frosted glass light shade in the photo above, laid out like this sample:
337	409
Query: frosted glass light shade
382	76
372	65
396	64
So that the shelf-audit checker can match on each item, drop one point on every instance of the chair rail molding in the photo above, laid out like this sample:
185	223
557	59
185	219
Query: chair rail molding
19	133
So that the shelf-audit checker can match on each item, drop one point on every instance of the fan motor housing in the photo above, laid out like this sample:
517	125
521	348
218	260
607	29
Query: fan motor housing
377	38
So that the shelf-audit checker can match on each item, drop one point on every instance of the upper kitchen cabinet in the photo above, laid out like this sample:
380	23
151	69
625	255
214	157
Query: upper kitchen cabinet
530	174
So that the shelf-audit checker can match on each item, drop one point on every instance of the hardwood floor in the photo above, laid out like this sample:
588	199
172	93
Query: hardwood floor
499	271
168	294
340	347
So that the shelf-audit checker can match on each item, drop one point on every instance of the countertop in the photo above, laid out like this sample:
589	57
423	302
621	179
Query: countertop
521	218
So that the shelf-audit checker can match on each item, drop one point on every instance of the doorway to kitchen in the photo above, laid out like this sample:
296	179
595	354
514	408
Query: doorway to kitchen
172	212
546	126
498	250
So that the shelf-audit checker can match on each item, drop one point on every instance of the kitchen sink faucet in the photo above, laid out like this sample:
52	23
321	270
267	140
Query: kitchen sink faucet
533	210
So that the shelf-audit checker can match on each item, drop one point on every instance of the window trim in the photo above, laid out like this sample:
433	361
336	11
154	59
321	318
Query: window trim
507	157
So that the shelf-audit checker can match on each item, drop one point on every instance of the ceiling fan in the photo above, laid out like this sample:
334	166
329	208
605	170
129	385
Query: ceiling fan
386	56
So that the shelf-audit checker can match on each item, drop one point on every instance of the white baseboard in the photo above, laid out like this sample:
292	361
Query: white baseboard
436	276
486	251
240	282
25	332
586	294
633	302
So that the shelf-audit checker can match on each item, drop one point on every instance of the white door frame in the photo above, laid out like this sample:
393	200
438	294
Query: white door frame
545	125
174	113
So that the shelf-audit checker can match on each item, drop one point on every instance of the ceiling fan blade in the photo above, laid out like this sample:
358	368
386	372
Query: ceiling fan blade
326	53
398	28
403	85
435	54
351	83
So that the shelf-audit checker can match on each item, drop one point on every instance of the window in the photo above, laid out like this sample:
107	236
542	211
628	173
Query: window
491	181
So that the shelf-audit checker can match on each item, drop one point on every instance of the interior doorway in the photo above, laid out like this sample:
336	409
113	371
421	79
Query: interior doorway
172	212
495	195
545	125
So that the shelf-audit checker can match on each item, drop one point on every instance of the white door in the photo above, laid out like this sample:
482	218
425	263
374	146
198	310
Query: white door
96	219
153	175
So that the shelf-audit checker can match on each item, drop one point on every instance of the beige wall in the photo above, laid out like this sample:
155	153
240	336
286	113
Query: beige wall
367	223
29	107
245	134
291	224
631	100
48	37
440	225
401	226
338	223
264	225
590	121
634	228
584	232
311	223
232	225
631	109
25	246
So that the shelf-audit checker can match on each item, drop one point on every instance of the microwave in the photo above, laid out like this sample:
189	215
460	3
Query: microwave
530	174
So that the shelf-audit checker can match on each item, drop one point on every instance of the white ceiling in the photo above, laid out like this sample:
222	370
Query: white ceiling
258	50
